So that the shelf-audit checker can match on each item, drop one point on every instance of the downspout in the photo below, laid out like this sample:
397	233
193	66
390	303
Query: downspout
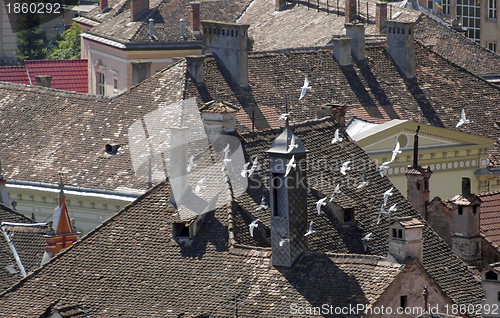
13	249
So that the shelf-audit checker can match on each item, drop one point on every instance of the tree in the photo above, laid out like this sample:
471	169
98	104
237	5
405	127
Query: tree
30	38
69	47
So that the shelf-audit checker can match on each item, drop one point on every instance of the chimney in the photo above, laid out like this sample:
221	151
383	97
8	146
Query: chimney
405	239
380	17
338	112
151	25
350	11
218	117
181	21
63	235
342	50
288	199
178	160
103	5
137	7
4	195
400	46
196	68
228	41
278	4
466	187
195	19
43	80
357	33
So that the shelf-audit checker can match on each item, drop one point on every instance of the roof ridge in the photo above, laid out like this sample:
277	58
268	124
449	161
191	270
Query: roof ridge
53	90
11	210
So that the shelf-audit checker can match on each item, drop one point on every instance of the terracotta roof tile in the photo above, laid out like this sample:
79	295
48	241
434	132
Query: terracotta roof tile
68	75
14	74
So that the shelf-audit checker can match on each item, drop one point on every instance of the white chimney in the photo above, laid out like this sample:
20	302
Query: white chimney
342	50
357	33
182	29
405	238
151	21
400	46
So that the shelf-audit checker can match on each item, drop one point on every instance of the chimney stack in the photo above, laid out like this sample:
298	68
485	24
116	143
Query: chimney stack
195	19
103	5
380	17
338	112
342	50
278	4
400	46
196	68
350	11
43	80
229	42
137	7
357	33
405	238
4	195
466	187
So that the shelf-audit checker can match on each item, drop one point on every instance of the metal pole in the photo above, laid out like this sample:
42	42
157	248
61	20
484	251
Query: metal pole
338	11
367	14
327	9
318	5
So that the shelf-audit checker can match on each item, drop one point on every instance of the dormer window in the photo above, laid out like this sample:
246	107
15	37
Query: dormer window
491	275
112	149
180	230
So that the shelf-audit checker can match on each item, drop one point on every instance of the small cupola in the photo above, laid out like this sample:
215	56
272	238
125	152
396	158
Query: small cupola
4	195
218	117
405	238
288	199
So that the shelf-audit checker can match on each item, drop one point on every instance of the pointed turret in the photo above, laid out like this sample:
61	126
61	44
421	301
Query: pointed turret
4	195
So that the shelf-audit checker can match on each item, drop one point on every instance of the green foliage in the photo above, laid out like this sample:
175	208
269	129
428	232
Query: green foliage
30	38
250	42
69	47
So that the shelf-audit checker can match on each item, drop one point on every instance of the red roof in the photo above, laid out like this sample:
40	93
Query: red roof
14	74
490	216
68	75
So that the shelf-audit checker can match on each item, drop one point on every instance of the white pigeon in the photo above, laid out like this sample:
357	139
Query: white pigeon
305	88
336	137
245	170
366	239
396	151
380	213
200	186
336	192
226	150
291	164
311	231
345	167
462	120
225	159
383	168
389	213
387	194
283	118
292	144
262	205
320	203
284	239
363	182
252	226
191	165
255	166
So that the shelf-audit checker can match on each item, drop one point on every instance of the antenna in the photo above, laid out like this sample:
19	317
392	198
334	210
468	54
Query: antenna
286	110
415	148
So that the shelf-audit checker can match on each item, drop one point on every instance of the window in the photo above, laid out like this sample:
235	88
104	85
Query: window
279	194
469	13
460	210
403	301
180	230
426	185
491	275
394	233
492	46
498	296
100	83
492	9
400	233
430	4
474	209
115	85
446	6
418	185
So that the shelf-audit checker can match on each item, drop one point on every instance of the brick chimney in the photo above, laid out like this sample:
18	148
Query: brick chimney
137	7
380	17
103	5
338	112
350	11
405	238
357	33
278	4
342	50
195	19
43	80
228	41
4	195
400	46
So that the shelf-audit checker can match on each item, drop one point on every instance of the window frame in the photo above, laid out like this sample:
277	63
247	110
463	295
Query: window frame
492	10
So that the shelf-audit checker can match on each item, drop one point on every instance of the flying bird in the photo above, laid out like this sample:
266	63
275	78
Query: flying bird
311	231
389	213
366	239
225	159
200	186
305	88
320	203
245	170
336	137
395	152
283	118
387	194
191	165
252	226
284	238
462	120
262	205
255	166
336	192
345	167
363	182
291	164
292	144
383	168
380	213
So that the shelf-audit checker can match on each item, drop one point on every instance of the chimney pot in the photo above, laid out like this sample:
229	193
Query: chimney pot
400	46
357	33
137	7
342	50
380	17
350	11
181	21
466	187
43	80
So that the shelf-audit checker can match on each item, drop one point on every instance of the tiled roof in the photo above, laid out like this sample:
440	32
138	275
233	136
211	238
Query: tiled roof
14	74
408	222
464	201
219	107
68	75
30	246
166	15
115	7
490	216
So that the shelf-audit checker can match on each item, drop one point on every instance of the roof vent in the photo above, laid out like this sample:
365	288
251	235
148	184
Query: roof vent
183	37
112	149
151	20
